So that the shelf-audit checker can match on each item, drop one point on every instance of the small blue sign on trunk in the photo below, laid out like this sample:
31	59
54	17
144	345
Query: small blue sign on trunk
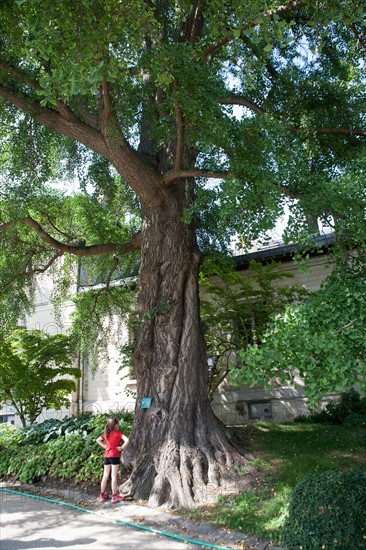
146	402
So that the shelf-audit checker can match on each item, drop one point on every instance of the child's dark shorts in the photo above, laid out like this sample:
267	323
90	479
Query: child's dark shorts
112	460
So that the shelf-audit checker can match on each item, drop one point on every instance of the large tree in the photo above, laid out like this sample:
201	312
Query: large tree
134	100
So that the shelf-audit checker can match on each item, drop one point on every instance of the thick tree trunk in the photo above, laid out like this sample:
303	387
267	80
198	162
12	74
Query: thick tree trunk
179	451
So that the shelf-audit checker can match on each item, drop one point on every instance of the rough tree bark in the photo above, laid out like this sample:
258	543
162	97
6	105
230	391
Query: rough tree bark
180	452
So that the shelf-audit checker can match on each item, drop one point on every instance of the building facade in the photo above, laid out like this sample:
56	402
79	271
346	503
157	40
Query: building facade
108	388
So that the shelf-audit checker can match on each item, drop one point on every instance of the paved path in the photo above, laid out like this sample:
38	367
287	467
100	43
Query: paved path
27	522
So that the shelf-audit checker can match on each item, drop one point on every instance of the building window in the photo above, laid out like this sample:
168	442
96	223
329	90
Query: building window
7	418
260	411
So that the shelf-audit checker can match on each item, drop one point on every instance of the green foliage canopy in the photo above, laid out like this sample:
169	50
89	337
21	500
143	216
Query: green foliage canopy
36	372
124	98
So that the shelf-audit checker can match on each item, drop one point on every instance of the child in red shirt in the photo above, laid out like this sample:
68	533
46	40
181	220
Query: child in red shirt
111	443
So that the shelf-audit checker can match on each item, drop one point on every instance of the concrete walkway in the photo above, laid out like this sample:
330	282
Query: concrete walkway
27	522
103	517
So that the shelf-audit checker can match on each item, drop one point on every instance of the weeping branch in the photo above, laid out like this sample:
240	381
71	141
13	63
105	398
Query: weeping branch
76	250
43	269
28	273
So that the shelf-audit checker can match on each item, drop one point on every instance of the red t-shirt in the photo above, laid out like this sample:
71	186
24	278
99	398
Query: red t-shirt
112	441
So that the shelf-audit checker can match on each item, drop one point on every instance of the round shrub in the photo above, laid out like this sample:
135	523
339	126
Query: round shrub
327	510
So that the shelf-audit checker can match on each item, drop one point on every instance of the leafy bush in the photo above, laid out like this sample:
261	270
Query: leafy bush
327	510
57	448
26	464
5	460
36	434
340	411
84	425
9	434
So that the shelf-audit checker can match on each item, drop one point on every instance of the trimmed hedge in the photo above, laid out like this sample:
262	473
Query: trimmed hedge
327	510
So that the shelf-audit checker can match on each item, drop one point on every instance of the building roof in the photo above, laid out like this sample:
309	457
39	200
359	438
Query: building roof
281	252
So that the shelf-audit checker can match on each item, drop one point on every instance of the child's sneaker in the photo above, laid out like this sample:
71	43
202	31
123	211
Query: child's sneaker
117	498
102	497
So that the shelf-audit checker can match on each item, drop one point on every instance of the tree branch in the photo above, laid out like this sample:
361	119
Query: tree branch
142	178
196	22
261	55
76	250
110	144
106	116
71	126
339	131
112	270
346	326
63	233
86	114
28	273
334	131
173	175
237	100
20	77
47	266
245	103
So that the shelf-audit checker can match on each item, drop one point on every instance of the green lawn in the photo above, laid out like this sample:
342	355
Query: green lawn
284	453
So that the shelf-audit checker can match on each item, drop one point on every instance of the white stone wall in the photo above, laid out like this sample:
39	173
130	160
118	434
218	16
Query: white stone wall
108	388
311	278
285	403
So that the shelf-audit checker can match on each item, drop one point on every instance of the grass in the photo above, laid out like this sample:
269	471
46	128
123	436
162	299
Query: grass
284	453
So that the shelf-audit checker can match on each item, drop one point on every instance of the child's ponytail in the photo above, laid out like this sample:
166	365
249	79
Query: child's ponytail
112	424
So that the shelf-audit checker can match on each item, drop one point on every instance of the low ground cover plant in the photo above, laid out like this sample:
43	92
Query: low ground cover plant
56	448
